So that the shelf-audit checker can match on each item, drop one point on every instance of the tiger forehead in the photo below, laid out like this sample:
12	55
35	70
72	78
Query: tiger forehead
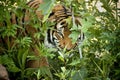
62	9
58	7
58	13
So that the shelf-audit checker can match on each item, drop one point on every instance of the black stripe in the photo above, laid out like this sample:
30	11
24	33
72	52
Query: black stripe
48	36
30	2
36	6
33	4
53	39
16	18
23	21
61	18
23	18
51	14
11	17
65	10
55	27
5	23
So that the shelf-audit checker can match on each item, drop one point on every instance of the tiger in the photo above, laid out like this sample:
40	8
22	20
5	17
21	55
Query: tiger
57	37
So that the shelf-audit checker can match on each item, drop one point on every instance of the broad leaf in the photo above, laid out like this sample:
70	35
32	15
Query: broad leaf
46	8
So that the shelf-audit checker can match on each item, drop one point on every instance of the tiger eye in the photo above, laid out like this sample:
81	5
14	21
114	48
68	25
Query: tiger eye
64	22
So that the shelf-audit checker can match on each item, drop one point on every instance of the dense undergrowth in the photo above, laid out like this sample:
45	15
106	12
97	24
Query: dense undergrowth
100	48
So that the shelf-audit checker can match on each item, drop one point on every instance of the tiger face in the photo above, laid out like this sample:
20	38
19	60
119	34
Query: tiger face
59	36
62	34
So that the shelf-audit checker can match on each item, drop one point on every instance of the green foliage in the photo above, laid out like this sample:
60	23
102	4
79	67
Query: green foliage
100	48
24	42
6	60
46	8
75	32
16	49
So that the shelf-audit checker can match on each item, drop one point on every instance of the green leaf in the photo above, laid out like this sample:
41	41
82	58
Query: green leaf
61	58
75	62
74	35
24	42
10	30
46	8
98	67
44	51
85	25
74	27
37	35
63	69
22	56
80	74
8	61
43	71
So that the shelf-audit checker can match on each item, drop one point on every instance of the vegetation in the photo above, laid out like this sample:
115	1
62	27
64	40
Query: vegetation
100	48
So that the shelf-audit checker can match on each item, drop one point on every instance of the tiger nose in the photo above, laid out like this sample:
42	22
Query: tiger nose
68	46
71	46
